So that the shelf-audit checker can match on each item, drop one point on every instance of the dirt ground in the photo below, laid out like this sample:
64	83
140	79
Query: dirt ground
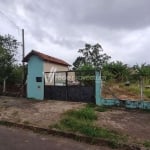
115	91
134	123
38	113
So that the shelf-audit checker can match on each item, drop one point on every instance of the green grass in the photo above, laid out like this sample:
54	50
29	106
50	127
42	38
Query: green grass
97	108
147	144
86	113
134	88
91	105
26	122
101	109
82	121
147	93
85	127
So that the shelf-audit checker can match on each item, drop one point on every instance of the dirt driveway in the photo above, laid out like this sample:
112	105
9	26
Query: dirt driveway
134	123
38	113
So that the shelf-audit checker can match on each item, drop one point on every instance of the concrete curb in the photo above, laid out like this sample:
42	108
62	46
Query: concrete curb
97	141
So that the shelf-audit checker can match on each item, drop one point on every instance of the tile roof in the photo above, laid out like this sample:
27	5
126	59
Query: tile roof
45	58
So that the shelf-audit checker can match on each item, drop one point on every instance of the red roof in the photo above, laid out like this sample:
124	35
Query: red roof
45	58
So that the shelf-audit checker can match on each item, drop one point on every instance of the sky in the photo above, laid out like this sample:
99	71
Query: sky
60	27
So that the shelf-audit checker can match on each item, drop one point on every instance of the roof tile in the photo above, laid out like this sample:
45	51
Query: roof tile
45	58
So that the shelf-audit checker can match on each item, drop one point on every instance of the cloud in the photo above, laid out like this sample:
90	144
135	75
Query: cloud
60	28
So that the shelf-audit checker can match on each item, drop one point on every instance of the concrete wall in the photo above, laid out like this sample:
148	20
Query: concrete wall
35	89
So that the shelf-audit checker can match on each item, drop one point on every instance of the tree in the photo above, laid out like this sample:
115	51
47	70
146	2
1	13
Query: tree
16	75
8	49
142	72
92	55
116	70
78	63
86	75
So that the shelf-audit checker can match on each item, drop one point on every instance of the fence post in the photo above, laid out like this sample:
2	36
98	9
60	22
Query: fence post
4	85
98	96
141	88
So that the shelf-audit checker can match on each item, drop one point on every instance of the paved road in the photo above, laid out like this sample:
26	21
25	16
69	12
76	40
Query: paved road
19	139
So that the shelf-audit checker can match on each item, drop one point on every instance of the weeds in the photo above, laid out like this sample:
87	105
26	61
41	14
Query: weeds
26	122
147	93
147	144
97	108
101	108
86	113
82	121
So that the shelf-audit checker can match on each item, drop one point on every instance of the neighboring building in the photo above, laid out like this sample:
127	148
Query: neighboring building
38	63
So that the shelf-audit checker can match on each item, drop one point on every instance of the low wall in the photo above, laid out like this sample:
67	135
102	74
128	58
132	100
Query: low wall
137	104
125	103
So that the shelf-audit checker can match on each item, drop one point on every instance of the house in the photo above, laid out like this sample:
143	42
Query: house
38	64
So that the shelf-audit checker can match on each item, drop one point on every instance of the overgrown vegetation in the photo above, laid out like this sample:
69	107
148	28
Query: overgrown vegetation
113	73
97	108
82	121
147	144
86	113
26	122
8	51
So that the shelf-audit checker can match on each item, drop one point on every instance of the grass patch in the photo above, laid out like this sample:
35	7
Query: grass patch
133	89
91	105
101	108
26	122
147	144
147	93
82	121
86	113
85	127
97	108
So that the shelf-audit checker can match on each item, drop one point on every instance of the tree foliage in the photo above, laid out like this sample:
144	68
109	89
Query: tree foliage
142	70
8	50
116	70
91	55
78	63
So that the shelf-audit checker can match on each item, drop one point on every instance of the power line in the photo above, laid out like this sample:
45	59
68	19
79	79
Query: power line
10	21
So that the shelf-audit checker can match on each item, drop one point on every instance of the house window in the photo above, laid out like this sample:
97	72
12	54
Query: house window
38	79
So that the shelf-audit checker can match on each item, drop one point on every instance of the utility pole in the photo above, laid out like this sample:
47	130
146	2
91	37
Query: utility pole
23	53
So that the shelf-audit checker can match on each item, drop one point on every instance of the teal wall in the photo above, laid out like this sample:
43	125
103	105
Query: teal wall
35	89
115	102
98	88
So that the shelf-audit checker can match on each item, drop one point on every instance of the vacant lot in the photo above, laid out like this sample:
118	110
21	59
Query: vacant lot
134	123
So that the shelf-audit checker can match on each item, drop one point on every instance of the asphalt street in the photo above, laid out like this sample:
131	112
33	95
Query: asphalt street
19	139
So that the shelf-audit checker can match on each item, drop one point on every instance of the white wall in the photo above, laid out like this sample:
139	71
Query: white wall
52	67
